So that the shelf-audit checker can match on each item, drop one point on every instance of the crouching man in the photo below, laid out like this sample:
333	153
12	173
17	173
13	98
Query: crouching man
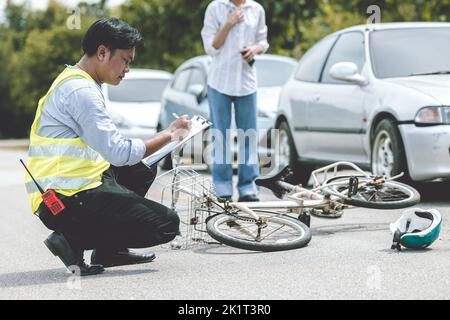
77	151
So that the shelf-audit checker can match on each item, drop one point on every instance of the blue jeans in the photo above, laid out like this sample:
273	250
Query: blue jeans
222	167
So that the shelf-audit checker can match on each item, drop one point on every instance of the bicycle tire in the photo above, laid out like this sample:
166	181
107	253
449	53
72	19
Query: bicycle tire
220	228
404	195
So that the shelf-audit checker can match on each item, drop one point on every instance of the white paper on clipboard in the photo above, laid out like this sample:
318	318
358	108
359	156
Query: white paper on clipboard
198	125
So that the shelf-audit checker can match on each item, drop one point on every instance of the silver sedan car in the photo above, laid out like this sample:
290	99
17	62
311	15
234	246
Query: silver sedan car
377	95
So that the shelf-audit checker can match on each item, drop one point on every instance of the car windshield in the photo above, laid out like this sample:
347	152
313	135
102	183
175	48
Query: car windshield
410	52
272	73
137	90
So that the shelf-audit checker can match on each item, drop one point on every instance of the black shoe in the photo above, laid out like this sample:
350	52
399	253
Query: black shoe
88	269
224	199
121	257
72	259
248	198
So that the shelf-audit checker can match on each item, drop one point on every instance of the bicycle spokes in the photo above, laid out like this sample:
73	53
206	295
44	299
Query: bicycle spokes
382	194
266	229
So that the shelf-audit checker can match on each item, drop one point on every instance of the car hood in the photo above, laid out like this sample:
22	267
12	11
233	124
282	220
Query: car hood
142	114
267	98
436	86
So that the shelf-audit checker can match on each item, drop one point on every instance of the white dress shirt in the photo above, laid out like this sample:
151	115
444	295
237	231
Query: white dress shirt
229	73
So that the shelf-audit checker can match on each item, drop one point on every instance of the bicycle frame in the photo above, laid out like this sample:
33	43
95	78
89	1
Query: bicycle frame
193	198
304	198
300	199
296	205
331	193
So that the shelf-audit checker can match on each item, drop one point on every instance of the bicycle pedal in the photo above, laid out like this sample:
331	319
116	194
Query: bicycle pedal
352	186
327	214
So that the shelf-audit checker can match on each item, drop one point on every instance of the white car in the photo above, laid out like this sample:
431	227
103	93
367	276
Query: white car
377	95
134	104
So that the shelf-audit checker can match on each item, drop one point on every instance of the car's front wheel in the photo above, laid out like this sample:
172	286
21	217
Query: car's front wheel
388	155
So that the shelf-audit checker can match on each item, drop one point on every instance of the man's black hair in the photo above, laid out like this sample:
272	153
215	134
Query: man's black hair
112	33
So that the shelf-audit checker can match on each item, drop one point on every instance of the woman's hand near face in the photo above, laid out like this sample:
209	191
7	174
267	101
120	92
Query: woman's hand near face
235	16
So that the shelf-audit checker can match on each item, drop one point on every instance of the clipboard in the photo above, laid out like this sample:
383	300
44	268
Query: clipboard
198	125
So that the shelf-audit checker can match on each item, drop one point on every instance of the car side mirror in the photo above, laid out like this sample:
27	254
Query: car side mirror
347	71
197	90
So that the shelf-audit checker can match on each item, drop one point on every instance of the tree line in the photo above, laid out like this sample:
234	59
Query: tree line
35	45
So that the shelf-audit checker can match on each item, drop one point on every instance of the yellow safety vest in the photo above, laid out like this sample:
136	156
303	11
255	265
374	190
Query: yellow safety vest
66	165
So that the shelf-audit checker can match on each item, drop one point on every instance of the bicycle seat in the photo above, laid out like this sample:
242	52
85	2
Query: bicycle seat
270	182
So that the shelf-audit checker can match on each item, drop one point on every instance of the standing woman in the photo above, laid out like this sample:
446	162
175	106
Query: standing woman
234	31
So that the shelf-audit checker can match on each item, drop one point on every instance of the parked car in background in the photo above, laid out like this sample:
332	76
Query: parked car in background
186	94
134	104
377	95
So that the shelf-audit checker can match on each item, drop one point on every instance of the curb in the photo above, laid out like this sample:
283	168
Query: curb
14	144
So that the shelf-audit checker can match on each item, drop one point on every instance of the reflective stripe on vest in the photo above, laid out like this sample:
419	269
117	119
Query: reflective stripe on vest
63	150
58	183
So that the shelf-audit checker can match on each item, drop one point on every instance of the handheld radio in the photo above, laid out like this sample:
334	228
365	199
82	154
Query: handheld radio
51	201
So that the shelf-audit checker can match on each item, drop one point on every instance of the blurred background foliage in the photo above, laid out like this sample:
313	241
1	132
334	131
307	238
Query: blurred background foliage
35	45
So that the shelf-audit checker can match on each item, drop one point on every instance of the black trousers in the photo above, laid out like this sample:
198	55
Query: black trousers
114	215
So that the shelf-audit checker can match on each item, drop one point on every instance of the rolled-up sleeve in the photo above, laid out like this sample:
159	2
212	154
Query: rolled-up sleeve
210	28
97	130
261	33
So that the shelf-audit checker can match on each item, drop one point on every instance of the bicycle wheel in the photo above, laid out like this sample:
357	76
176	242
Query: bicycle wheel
386	195
276	233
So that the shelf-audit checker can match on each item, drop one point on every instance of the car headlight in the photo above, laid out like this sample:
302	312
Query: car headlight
433	115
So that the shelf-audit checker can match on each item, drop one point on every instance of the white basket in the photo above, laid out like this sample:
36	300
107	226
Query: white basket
183	190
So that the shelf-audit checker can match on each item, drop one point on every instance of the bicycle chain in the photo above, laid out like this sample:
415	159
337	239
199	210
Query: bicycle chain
249	219
209	203
262	222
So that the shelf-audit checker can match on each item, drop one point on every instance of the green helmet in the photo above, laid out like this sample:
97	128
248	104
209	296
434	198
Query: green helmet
416	228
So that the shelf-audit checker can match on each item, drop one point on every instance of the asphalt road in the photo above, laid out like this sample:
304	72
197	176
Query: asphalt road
347	258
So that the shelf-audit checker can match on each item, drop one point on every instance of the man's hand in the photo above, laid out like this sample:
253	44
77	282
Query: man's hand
248	54
235	17
179	128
